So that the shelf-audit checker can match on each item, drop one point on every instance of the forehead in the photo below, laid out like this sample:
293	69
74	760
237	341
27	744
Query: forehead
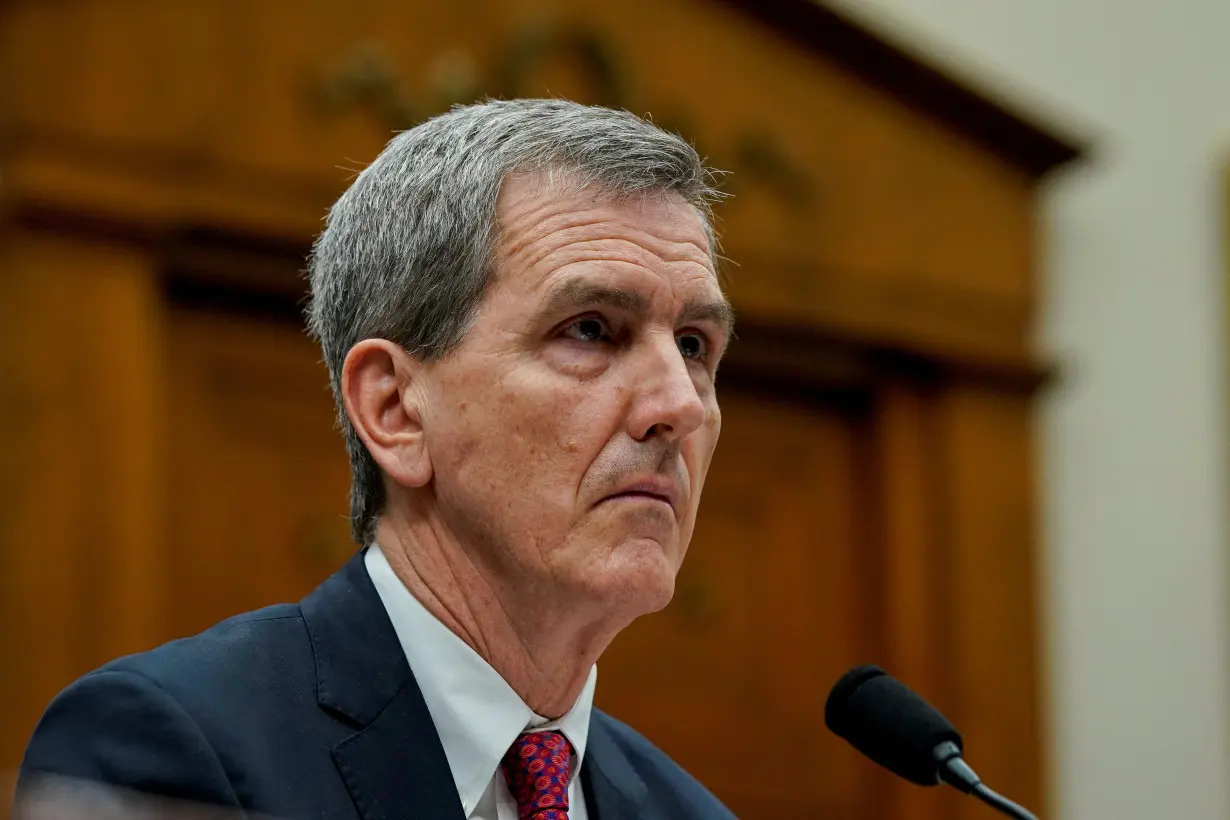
546	226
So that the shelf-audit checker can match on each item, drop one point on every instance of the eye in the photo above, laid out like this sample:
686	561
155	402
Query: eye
693	346
588	329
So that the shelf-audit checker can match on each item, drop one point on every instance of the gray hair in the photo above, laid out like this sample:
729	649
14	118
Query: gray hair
406	253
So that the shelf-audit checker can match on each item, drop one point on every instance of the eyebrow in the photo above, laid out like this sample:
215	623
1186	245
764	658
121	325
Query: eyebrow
575	294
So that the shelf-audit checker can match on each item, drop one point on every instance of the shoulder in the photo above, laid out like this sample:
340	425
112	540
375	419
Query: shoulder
155	721
237	653
665	779
242	671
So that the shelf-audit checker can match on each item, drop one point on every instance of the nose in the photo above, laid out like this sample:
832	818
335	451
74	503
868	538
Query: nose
666	401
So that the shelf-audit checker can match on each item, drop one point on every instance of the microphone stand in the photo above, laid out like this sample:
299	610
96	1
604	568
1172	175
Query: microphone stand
1000	803
954	771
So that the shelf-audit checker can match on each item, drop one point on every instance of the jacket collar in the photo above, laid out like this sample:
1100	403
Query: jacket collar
393	765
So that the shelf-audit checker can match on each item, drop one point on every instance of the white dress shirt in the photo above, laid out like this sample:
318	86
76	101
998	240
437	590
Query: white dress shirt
476	712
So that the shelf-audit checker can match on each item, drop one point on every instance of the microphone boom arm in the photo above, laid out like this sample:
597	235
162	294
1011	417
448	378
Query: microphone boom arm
954	771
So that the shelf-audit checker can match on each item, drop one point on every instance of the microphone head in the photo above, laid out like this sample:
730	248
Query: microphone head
889	723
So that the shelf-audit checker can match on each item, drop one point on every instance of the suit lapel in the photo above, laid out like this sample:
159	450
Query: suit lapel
396	768
394	764
613	789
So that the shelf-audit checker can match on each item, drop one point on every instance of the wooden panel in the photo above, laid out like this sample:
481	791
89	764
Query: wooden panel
81	539
770	608
832	533
259	477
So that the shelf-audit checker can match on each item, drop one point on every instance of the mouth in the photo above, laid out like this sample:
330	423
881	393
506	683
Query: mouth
655	491
634	495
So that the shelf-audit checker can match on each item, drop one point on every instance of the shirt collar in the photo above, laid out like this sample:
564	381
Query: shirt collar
476	713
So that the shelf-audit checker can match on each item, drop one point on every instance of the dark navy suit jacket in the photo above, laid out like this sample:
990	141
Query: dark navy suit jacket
307	710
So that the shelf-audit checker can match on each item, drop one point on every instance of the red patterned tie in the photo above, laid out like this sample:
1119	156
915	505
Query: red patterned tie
536	768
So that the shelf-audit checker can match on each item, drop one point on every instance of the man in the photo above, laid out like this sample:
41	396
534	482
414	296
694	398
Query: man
518	307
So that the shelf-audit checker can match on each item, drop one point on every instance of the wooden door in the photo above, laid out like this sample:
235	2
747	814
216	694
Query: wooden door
769	610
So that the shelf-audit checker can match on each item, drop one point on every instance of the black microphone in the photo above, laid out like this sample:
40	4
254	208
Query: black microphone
891	724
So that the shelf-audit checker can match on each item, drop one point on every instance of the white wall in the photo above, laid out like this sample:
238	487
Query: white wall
1135	482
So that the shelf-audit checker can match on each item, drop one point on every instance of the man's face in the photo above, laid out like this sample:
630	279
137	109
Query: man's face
570	433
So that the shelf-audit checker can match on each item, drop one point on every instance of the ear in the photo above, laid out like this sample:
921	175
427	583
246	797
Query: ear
381	393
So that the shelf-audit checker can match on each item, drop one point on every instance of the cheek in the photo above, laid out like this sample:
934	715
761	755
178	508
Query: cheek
704	444
709	433
522	440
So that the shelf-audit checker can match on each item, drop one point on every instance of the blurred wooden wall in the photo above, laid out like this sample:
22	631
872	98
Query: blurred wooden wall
167	454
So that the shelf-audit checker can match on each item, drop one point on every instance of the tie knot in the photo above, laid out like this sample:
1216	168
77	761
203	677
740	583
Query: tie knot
537	769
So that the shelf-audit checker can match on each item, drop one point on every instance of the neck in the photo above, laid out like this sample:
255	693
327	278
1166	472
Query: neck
541	642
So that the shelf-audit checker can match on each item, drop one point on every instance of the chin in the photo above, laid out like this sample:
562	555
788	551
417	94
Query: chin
638	578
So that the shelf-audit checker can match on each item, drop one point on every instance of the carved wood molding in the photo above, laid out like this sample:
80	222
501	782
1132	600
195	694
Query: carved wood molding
367	77
814	26
70	181
215	271
185	214
816	358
